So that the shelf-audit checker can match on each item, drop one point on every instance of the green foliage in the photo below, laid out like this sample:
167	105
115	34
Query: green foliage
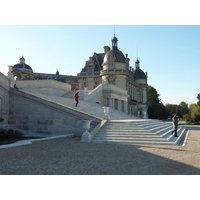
194	110
182	109
156	109
198	97
171	110
187	118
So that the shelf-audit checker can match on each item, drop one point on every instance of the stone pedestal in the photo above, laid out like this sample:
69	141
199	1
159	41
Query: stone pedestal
145	115
86	137
106	113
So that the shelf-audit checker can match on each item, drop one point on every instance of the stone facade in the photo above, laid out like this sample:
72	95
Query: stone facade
112	70
107	78
4	98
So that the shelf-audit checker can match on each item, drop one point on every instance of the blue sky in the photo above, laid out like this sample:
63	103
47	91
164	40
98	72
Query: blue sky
169	54
158	32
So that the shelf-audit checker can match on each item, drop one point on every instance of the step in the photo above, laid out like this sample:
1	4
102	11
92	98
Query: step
137	133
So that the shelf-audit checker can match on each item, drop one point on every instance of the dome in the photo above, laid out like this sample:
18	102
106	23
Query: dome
22	66
114	53
117	54
138	73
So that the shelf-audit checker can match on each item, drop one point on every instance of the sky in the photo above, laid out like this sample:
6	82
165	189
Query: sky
170	54
155	31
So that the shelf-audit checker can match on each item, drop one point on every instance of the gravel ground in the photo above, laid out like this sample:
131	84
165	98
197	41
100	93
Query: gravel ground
69	156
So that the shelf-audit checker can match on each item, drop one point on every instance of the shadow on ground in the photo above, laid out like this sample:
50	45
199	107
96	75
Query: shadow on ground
68	156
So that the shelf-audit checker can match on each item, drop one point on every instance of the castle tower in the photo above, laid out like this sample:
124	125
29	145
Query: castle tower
115	66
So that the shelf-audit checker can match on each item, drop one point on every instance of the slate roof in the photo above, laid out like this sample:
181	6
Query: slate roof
118	55
97	58
62	78
138	73
23	67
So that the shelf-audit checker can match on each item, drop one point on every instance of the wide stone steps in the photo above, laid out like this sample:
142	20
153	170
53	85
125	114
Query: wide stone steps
84	106
148	132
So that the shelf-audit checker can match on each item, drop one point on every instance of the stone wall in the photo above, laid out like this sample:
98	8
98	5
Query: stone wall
48	87
4	97
34	116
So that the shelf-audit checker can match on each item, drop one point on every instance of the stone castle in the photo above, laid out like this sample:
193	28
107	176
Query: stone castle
44	102
108	75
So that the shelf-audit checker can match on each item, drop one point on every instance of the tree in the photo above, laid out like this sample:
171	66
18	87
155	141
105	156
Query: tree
198	97
182	109
156	109
197	118
194	110
187	118
171	110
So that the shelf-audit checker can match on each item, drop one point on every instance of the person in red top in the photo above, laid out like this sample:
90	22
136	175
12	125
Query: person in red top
76	97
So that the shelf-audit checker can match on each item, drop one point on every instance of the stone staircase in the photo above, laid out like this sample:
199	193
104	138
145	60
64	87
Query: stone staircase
146	132
70	94
123	129
84	106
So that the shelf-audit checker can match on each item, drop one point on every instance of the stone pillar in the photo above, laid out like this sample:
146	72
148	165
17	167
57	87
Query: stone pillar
112	105
145	115
144	95
125	107
132	88
119	105
10	74
110	102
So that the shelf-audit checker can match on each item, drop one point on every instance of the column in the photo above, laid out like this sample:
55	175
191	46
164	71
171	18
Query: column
119	105
144	95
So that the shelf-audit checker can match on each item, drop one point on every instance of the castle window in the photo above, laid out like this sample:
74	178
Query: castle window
84	79
111	65
95	79
90	69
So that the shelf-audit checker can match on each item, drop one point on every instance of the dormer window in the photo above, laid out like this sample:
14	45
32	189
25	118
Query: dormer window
90	69
111	65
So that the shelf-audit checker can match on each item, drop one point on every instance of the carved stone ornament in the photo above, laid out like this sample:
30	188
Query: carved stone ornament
111	79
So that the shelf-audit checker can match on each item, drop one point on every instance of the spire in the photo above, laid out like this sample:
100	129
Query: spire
22	60
114	42
137	64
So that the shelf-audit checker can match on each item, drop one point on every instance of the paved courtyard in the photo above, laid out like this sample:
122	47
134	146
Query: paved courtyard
68	156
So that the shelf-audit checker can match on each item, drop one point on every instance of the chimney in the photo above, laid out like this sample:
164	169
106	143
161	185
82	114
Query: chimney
106	49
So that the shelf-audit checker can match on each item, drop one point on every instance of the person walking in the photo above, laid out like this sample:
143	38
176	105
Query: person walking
76	97
175	125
